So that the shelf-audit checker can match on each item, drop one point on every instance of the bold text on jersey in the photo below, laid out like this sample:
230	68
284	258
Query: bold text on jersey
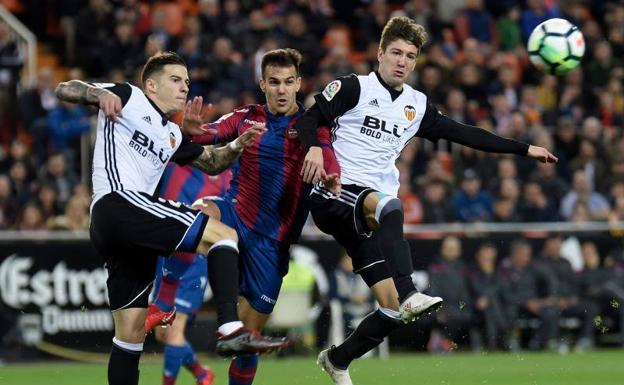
145	146
377	128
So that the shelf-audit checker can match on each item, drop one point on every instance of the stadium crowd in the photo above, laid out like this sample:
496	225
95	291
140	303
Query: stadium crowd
475	69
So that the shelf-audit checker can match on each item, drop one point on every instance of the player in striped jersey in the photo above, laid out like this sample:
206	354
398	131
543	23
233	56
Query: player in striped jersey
267	202
130	227
373	118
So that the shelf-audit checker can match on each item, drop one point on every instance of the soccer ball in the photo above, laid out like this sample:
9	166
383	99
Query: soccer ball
556	46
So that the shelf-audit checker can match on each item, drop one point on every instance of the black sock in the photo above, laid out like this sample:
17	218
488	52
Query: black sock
223	276
123	366
399	260
369	333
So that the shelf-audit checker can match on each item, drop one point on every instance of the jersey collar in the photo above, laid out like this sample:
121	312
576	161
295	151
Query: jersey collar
164	118
394	94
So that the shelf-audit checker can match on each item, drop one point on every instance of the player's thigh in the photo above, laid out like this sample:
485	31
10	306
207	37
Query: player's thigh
251	318
130	325
264	263
129	223
386	294
341	215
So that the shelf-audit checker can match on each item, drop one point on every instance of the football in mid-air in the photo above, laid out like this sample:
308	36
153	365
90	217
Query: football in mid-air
556	46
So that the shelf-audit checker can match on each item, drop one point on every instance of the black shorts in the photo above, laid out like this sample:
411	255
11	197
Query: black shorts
130	230
343	218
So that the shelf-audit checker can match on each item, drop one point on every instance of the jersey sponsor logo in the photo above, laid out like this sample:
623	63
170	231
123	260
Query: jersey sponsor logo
142	144
147	119
410	112
379	129
373	103
332	89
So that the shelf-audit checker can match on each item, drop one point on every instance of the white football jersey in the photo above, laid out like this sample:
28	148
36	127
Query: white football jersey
369	138
131	153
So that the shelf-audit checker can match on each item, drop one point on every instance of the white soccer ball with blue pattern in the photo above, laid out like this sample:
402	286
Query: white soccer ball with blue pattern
556	46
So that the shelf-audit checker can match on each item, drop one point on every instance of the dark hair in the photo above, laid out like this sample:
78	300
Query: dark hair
157	62
402	27
283	57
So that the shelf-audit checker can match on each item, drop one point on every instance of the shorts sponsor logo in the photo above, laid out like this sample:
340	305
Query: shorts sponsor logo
332	89
267	299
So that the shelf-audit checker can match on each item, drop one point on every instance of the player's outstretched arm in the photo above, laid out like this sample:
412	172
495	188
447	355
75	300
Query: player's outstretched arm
77	91
214	160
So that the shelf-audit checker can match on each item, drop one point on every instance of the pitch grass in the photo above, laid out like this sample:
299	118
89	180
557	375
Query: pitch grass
596	368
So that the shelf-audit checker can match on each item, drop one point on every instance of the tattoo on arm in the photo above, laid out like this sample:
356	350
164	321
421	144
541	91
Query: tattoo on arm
77	91
214	160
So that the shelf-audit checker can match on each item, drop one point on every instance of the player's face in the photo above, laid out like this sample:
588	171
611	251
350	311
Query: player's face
397	62
170	88
280	86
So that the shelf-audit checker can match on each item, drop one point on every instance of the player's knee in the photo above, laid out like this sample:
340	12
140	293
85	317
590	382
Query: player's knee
229	234
389	206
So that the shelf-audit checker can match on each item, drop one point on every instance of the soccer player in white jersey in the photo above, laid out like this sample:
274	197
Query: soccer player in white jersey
373	118
130	227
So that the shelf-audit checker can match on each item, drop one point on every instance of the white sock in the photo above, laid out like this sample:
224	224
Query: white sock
229	327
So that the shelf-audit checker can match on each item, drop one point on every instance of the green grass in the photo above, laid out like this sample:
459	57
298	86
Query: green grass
596	368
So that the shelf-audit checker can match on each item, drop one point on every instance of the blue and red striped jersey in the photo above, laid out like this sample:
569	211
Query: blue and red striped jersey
268	193
186	184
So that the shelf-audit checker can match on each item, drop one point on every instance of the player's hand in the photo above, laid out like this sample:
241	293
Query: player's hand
312	170
110	104
249	137
332	183
195	115
541	154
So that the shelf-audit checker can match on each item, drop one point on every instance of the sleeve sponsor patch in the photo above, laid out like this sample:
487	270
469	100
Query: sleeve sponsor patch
332	89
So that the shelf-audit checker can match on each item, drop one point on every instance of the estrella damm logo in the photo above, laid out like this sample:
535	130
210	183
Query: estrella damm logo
410	112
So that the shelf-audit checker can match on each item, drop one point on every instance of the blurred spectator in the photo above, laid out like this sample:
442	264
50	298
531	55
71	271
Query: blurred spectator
435	205
474	21
371	22
582	191
60	176
594	168
94	24
535	13
471	203
546	175
522	297
47	201
31	218
126	47
11	61
485	288
536	206
603	286
566	293
353	294
297	36
600	66
34	105
412	207
21	179
76	216
508	29
66	123
446	276
8	204
225	68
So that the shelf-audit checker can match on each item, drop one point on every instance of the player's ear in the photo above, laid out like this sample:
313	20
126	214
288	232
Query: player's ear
262	85
298	83
150	85
379	54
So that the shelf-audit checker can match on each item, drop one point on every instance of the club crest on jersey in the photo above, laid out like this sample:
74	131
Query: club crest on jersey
332	89
410	112
292	133
172	140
